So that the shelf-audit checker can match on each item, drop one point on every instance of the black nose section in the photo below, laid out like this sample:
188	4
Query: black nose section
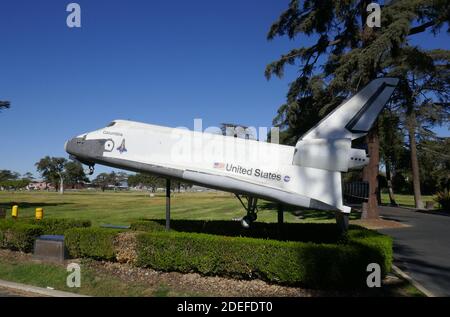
85	150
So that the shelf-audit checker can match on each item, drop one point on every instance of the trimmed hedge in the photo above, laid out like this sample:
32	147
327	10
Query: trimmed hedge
18	236
95	243
315	255
146	225
317	258
292	263
374	246
59	226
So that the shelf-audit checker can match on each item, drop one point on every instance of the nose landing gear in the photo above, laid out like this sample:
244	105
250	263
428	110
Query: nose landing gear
251	208
90	165
90	170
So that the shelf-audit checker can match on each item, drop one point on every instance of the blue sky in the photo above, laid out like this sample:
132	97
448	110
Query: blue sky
161	62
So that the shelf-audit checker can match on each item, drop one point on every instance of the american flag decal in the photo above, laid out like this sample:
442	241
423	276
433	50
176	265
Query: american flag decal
219	165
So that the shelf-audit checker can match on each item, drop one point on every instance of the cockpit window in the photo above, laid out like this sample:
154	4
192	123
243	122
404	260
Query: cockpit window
111	124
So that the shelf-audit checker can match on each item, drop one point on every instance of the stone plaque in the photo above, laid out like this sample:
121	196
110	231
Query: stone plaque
50	248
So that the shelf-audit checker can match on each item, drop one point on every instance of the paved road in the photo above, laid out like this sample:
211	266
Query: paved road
422	250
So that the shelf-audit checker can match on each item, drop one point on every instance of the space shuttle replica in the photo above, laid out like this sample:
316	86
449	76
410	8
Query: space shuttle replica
306	175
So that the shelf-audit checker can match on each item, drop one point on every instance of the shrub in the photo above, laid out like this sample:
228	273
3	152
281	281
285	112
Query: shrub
59	226
373	246
95	243
294	263
325	262
443	198
18	236
146	225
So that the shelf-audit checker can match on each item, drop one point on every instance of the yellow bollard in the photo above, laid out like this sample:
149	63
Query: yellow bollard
39	213
15	211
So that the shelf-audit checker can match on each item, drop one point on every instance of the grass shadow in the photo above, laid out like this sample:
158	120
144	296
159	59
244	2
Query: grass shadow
306	214
31	205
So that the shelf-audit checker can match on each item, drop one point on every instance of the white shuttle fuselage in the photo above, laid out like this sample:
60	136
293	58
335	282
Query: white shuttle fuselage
306	175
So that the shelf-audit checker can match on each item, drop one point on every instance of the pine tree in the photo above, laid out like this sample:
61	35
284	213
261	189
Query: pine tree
422	99
346	56
434	160
391	147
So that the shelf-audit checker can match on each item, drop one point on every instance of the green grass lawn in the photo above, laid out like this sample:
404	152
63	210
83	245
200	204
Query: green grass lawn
94	283
126	207
406	200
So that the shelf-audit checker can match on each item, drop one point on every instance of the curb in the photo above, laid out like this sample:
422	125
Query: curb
416	284
37	290
437	212
431	212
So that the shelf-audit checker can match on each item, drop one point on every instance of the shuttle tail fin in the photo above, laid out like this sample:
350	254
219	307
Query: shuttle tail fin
355	117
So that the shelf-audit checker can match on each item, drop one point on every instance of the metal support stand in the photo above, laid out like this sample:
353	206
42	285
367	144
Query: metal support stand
342	222
251	207
167	204
280	220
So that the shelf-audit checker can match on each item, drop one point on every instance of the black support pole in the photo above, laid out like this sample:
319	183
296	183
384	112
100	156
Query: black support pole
167	204
342	221
280	220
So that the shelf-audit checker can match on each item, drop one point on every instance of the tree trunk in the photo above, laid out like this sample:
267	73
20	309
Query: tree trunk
371	173
378	188
411	126
61	184
389	183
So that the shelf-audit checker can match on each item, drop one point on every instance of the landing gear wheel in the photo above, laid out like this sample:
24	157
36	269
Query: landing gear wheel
248	220
251	208
91	170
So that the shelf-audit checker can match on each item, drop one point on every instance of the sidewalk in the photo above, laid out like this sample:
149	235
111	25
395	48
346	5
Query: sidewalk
22	290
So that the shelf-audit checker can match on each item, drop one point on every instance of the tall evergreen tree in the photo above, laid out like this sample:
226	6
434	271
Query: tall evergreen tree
434	159
391	147
422	99
347	55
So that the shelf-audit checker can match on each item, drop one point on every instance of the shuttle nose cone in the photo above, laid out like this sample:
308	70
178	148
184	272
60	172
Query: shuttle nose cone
71	146
85	150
